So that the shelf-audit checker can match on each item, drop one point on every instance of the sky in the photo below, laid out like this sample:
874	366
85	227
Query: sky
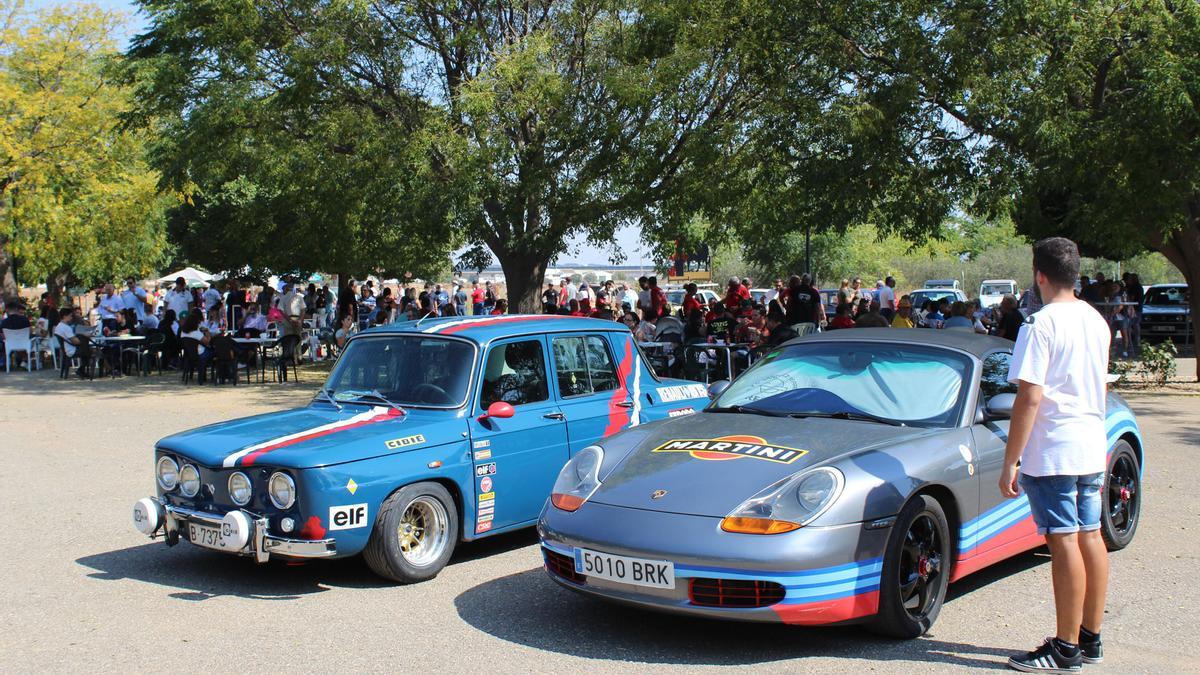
626	237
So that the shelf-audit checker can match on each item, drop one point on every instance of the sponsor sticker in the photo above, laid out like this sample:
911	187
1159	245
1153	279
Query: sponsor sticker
485	484
483	497
352	486
482	527
415	439
488	469
491	503
483	454
732	447
682	392
347	517
488	510
481	444
484	518
680	412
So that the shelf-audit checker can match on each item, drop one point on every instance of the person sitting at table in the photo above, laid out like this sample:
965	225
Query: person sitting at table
778	332
645	330
254	323
344	331
213	324
192	330
73	345
720	326
668	325
15	318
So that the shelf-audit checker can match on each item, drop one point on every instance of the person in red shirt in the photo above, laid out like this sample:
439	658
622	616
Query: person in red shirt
500	308
735	294
691	301
658	299
477	299
843	318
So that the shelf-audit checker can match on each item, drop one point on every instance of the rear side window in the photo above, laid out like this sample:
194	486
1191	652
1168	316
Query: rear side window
515	373
583	365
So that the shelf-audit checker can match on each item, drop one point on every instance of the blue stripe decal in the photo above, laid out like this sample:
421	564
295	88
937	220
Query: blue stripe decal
992	515
789	600
997	528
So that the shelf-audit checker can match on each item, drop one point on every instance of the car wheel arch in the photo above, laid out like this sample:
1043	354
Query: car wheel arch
949	503
1132	439
451	486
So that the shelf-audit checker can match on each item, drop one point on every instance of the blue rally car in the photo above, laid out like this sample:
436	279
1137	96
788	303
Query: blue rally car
425	434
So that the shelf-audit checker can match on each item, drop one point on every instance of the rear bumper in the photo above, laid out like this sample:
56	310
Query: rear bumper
260	544
830	575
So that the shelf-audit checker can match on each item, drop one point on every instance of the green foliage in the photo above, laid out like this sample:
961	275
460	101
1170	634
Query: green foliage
1158	362
78	202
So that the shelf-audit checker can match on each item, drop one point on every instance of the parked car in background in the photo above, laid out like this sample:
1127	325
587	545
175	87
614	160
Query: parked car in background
1166	314
675	296
941	283
829	299
935	294
425	434
992	291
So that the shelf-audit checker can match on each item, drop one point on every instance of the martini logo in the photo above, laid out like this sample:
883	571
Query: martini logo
732	447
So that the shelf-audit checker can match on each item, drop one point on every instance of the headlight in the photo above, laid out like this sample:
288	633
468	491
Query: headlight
578	479
282	490
787	505
168	473
240	488
189	480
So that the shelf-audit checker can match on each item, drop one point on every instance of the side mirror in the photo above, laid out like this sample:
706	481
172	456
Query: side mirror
499	410
717	388
1000	406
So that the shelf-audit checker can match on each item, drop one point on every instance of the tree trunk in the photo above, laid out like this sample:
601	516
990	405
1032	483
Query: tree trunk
1182	248
523	277
55	285
8	271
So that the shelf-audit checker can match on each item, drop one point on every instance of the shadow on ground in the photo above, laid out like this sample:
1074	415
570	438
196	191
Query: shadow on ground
168	383
539	613
195	574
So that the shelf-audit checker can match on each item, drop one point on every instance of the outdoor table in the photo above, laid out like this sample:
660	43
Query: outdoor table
118	342
730	349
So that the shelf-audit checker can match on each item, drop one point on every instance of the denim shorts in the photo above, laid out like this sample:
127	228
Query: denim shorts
1064	504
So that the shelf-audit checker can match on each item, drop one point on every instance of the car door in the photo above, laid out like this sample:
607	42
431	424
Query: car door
518	458
586	381
994	526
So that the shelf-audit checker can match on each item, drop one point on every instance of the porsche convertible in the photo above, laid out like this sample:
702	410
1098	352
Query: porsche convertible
847	477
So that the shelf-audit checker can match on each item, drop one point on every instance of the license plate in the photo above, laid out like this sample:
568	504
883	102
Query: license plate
626	570
208	537
1162	328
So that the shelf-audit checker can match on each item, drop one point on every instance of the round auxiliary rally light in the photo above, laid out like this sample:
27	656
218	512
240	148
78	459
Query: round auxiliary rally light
235	530
287	524
146	517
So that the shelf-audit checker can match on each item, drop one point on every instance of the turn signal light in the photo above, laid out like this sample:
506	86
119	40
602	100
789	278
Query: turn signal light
757	525
566	502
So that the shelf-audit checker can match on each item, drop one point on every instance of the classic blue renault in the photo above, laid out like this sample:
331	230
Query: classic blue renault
425	434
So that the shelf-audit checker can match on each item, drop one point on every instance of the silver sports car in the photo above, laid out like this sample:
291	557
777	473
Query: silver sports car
848	476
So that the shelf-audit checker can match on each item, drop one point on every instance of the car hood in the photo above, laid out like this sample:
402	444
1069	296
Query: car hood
678	456
318	435
1165	309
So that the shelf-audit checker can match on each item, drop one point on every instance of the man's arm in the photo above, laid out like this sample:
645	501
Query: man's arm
1029	397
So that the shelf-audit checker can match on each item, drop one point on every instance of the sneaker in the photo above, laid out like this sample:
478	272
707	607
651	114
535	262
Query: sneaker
1046	659
1092	650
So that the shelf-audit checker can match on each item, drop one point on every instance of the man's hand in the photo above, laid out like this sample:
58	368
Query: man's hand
1008	481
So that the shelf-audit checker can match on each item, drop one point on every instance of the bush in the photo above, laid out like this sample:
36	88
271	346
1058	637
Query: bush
1158	362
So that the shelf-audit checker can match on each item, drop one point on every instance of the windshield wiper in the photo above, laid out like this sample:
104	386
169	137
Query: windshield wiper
374	394
847	415
325	395
748	409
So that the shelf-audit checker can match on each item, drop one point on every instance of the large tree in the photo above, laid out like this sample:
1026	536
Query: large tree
78	204
513	125
1080	118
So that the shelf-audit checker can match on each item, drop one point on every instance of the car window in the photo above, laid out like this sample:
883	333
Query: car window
1169	295
583	365
994	379
514	372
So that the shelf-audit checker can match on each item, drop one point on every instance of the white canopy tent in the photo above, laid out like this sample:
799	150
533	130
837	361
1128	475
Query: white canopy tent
191	275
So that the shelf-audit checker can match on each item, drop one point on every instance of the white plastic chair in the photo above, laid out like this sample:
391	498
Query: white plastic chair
19	341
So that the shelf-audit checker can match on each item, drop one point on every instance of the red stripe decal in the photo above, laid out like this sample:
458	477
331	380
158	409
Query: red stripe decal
252	457
829	611
618	415
1017	538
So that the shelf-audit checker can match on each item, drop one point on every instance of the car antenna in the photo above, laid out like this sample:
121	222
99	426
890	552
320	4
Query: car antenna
427	315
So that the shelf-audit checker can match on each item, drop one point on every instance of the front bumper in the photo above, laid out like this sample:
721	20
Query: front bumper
830	575
168	521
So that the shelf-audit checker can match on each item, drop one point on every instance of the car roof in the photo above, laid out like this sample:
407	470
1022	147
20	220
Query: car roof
938	290
483	329
973	343
1172	285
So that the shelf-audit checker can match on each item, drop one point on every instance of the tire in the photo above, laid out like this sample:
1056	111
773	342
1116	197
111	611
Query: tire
421	514
1121	497
914	568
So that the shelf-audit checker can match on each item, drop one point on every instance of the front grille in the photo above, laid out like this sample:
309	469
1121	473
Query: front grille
734	592
563	566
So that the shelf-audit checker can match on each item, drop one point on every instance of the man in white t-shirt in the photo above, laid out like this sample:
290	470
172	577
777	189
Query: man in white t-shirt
212	298
178	298
1057	435
109	306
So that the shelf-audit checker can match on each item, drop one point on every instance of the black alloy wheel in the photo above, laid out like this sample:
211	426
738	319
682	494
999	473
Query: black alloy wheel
1121	497
916	570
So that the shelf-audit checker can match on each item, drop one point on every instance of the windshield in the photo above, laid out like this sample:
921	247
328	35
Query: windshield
675	297
912	384
996	289
416	370
1167	296
919	297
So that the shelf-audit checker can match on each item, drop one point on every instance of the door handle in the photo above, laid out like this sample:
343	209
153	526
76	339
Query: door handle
554	416
625	404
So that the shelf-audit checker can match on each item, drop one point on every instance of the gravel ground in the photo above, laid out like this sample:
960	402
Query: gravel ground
82	589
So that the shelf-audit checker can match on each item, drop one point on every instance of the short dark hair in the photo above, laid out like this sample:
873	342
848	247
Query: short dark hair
66	312
1058	259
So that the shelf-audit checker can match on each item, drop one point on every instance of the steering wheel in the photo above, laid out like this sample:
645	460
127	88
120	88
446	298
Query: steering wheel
431	393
